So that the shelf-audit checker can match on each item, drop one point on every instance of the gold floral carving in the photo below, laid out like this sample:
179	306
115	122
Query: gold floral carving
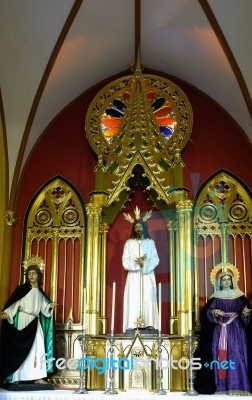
10	217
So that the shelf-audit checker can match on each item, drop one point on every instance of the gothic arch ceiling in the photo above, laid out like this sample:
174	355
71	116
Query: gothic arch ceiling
52	51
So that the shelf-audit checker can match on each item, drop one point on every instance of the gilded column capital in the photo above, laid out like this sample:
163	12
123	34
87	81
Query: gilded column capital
98	197
93	209
172	225
10	217
104	227
184	205
224	226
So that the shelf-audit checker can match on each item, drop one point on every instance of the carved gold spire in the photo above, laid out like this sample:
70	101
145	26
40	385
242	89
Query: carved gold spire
139	141
138	126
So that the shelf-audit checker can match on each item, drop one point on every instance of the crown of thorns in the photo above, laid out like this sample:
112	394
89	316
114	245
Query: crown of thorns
129	218
34	260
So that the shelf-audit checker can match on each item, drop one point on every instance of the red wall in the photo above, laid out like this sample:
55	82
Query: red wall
215	143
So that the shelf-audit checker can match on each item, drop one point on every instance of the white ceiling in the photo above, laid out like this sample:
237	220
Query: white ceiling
54	50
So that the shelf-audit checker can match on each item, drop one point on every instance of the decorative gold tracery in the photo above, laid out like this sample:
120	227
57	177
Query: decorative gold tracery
54	230
138	126
149	119
161	87
224	199
223	229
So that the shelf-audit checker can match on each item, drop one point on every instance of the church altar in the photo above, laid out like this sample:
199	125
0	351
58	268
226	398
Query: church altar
59	394
137	348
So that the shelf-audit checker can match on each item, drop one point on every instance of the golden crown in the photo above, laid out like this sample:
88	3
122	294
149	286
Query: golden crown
34	260
146	216
224	267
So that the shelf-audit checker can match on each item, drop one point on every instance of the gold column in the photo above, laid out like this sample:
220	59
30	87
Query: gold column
173	317
54	273
88	258
189	262
224	241
185	273
10	218
93	267
82	283
180	271
28	244
196	284
103	320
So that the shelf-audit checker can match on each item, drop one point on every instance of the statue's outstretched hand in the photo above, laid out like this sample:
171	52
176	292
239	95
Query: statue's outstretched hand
4	315
246	311
53	306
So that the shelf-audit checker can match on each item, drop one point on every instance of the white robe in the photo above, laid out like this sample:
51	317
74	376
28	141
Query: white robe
131	310
32	303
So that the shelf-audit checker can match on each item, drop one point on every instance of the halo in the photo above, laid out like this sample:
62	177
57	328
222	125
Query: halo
34	260
146	216
225	267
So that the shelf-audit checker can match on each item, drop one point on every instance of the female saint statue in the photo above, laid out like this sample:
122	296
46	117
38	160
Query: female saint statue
28	331
225	341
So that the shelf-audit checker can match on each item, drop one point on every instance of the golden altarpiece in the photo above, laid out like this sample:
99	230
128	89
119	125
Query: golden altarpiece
137	125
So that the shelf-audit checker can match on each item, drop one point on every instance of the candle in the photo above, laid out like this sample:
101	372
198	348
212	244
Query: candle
190	322
190	314
159	307
189	286
113	308
84	326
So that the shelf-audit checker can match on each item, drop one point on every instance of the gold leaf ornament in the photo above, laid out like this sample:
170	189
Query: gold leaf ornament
137	213
34	260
